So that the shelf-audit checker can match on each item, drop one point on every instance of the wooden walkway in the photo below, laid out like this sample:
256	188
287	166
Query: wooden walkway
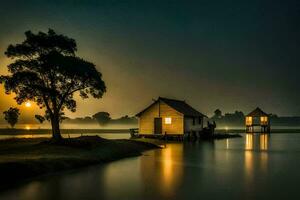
192	136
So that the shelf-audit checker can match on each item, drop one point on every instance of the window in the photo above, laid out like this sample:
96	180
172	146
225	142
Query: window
199	120
194	121
249	121
263	120
168	120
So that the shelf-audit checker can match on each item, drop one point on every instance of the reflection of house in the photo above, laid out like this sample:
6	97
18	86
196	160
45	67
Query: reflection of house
257	118
169	116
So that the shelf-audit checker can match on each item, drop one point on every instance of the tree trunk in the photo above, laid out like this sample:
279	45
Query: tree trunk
55	128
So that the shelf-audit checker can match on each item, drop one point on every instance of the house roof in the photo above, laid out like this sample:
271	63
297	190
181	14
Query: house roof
180	106
257	113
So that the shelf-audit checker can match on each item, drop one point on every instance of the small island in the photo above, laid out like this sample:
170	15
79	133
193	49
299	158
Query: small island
23	159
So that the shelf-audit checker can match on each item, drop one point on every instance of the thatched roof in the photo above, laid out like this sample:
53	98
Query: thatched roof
180	106
257	113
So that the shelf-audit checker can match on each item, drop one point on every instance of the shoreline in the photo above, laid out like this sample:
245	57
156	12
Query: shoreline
16	132
22	160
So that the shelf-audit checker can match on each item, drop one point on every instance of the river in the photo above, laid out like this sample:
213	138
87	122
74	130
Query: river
251	167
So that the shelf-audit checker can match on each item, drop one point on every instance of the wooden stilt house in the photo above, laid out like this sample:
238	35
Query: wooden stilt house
257	118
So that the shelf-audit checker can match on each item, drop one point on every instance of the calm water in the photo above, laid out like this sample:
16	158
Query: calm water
252	167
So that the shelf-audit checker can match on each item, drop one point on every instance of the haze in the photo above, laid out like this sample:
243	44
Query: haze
230	55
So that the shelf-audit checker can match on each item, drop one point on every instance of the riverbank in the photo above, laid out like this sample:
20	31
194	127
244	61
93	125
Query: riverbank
15	131
23	159
70	132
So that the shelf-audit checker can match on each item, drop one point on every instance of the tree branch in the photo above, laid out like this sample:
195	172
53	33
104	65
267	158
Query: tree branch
47	105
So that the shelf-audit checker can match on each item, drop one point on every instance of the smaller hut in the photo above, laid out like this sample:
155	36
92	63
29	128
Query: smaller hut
257	118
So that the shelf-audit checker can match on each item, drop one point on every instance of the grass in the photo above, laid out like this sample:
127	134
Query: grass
23	159
15	131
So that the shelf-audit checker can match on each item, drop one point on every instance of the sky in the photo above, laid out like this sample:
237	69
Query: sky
231	55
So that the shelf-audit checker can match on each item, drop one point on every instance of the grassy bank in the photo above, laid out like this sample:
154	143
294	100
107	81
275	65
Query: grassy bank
13	131
23	159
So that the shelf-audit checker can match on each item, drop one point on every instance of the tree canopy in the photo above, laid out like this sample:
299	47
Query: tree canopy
12	116
46	70
102	117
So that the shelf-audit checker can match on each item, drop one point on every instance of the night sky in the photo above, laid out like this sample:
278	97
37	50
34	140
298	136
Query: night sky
232	55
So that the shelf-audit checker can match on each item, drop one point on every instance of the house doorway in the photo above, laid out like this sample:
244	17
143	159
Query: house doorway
158	125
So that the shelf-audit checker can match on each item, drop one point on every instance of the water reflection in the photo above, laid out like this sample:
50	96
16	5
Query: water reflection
249	142
227	143
164	166
242	168
263	139
255	158
256	142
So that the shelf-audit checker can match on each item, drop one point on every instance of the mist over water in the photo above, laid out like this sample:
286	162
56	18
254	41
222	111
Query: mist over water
71	126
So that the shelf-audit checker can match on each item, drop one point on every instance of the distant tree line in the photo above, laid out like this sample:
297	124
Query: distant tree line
103	119
229	119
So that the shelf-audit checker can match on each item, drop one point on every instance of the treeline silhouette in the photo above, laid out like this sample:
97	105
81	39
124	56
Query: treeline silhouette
103	119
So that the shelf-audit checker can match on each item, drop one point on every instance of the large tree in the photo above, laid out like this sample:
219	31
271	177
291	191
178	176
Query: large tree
12	116
46	70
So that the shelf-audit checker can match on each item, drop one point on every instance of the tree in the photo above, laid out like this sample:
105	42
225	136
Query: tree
218	114
46	70
102	117
12	116
40	118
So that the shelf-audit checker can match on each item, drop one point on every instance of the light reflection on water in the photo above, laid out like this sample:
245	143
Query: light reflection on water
253	167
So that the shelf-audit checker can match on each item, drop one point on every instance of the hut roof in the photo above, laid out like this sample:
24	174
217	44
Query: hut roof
257	113
180	106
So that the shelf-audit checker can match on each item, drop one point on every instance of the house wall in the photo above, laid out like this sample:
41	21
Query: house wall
188	124
146	120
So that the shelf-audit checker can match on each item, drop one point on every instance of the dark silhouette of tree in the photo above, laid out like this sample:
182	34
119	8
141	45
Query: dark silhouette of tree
40	118
102	117
12	116
229	119
46	70
218	114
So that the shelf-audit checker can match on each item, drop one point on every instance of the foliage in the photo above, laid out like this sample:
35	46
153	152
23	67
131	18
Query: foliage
46	70
229	119
102	117
218	114
40	118
12	116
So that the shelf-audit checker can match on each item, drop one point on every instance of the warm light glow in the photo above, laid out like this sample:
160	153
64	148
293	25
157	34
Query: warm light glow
28	104
263	139
168	120
249	142
226	128
248	120
27	127
264	120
